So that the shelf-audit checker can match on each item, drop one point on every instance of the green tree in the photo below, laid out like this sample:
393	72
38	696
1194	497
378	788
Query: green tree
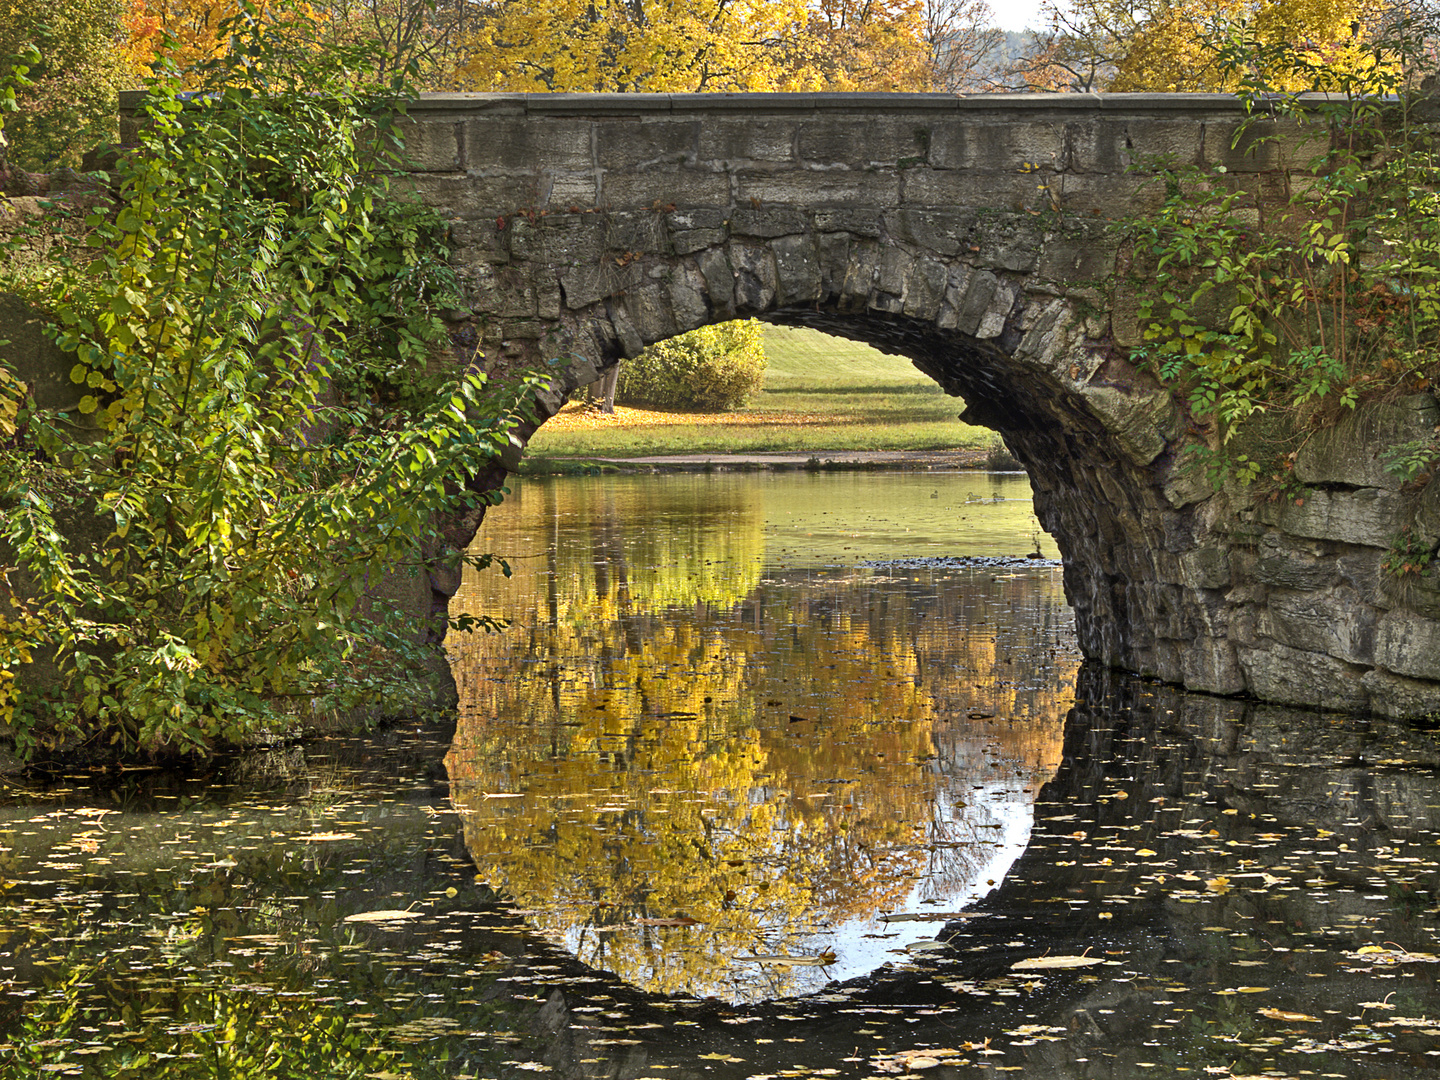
70	103
237	317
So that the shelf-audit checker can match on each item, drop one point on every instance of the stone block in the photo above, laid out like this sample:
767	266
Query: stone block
980	293
430	145
1125	319
1140	422
862	269
1211	666
1109	146
572	239
1294	570
954	189
564	191
691	241
938	231
755	278
1106	197
1289	676
455	195
1267	145
1402	698
631	343
1427	510
1077	258
649	311
477	240
925	289
744	140
817	189
768	222
1367	516
509	144
1006	242
797	267
1206	568
1408	644
1348	452
548	297
638	144
998	147
582	286
834	255
664	187
859	142
719	275
505	292
688	299
1332	621
857	221
36	359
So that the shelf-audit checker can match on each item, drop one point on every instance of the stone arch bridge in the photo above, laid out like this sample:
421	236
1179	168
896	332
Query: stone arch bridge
972	235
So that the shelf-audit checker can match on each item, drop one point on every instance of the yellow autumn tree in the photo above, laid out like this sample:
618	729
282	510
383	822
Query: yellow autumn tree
189	32
712	45
1173	45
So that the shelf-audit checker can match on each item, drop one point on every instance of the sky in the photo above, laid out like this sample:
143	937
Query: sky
1016	14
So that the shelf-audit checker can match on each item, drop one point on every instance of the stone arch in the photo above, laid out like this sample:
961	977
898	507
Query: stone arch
973	236
1026	360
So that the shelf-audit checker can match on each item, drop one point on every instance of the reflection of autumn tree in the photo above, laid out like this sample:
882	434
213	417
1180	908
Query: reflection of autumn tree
759	757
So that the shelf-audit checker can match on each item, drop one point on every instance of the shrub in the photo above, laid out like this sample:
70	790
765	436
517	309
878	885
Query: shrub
716	367
251	320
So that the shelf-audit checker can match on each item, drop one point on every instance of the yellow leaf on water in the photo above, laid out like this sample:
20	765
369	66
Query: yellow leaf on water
1043	963
1290	1017
382	916
1146	853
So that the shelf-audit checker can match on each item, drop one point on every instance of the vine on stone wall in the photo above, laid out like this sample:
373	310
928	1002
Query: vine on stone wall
1277	300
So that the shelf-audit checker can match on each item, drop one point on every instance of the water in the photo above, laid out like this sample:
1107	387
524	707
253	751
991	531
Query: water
710	737
1180	884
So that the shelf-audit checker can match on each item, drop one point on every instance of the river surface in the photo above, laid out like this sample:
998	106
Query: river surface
769	776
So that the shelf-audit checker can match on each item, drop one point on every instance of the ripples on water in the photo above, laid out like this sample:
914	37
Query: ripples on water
1181	884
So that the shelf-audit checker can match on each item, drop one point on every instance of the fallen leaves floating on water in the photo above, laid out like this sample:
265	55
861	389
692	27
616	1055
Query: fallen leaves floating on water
1289	1017
1045	963
383	916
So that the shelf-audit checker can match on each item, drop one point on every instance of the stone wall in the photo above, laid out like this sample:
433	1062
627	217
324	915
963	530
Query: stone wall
972	235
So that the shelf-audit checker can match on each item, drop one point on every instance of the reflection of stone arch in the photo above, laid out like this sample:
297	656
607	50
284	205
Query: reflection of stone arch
969	234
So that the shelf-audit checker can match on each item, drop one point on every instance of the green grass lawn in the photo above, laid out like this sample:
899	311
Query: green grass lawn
821	393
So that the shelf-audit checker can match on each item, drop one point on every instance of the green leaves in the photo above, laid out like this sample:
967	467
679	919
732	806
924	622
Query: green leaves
1307	288
266	443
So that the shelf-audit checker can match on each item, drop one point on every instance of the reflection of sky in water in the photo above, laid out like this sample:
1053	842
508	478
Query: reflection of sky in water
663	706
863	944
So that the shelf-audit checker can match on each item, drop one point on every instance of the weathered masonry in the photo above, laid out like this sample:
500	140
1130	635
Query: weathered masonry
971	235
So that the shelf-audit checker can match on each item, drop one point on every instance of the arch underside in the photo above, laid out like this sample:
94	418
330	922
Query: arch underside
1026	368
